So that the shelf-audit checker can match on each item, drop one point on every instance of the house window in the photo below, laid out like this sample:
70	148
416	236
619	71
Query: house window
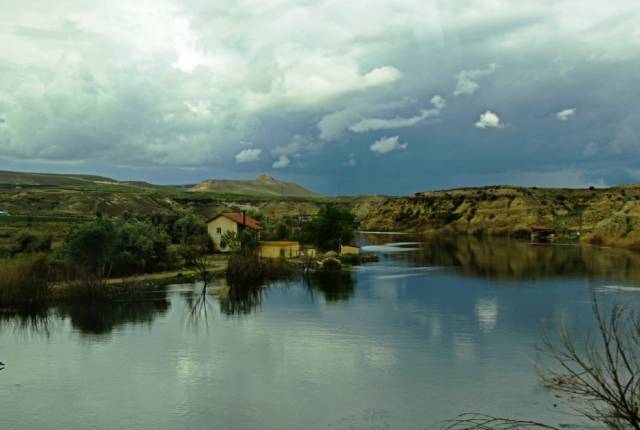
219	230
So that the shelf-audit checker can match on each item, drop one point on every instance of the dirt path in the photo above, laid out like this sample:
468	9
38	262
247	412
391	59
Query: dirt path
216	264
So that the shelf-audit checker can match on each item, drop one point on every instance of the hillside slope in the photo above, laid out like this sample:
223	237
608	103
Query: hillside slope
263	185
602	215
9	179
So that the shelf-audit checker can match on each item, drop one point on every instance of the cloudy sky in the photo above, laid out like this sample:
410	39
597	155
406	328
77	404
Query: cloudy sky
342	96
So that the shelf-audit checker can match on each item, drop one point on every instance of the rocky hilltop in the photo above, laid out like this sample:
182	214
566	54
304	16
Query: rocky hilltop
263	185
609	215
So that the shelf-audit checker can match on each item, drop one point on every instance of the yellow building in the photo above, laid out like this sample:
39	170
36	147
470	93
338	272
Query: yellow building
231	221
278	249
349	250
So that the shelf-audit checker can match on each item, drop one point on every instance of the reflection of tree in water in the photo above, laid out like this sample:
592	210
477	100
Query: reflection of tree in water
199	308
103	317
335	286
241	301
37	321
501	258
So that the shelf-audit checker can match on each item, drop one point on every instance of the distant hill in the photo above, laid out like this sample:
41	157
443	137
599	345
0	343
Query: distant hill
10	179
263	185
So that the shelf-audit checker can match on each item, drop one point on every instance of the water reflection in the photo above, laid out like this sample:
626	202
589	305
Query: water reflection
334	286
487	313
498	258
32	321
198	308
90	318
241	301
103	318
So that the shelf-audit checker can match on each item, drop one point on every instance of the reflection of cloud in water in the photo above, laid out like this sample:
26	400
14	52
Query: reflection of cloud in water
398	276
395	272
386	249
436	327
380	356
614	288
388	269
487	313
463	346
390	248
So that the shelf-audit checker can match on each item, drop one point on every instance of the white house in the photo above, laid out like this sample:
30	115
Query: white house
230	221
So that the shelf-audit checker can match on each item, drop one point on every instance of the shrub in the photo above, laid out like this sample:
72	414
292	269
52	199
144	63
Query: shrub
332	226
24	280
26	241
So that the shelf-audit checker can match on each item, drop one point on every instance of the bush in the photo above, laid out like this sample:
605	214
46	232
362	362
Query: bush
332	226
140	247
24	280
102	248
26	241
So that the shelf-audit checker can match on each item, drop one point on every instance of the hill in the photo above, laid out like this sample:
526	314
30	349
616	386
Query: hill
263	185
9	179
598	215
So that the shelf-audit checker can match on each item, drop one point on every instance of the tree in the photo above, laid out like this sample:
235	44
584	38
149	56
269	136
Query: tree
140	247
195	246
331	227
92	248
599	376
244	242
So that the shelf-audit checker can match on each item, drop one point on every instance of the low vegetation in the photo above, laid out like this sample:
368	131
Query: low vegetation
24	280
94	251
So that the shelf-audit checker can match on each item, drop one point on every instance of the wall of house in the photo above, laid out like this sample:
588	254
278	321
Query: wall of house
217	228
349	250
279	249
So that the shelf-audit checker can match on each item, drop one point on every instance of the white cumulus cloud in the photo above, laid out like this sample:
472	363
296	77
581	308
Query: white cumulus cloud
489	120
564	115
248	155
282	162
388	144
467	84
370	124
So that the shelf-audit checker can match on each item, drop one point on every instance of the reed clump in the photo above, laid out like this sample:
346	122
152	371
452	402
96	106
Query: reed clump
25	279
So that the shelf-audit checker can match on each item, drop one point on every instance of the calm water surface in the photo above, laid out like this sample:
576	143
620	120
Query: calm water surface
434	329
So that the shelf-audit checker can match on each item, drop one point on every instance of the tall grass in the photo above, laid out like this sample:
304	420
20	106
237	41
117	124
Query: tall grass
24	280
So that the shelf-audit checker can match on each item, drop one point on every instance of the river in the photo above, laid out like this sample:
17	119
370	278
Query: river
437	327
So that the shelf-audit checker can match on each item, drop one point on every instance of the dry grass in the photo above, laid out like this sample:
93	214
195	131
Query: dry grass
24	280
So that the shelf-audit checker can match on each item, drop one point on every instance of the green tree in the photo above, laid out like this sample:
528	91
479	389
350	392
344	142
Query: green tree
92	247
140	247
332	226
244	242
195	246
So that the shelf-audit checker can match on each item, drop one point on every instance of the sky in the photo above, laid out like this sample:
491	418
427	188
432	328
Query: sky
344	97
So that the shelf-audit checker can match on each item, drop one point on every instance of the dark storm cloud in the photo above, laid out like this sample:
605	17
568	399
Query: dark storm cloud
194	89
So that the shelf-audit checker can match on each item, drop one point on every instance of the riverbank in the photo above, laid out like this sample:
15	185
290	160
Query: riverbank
39	291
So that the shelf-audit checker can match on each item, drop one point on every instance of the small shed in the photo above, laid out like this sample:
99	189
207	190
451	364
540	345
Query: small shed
279	249
308	251
542	233
349	250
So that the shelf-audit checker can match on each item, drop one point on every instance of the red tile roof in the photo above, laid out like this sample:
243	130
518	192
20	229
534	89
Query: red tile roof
237	218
